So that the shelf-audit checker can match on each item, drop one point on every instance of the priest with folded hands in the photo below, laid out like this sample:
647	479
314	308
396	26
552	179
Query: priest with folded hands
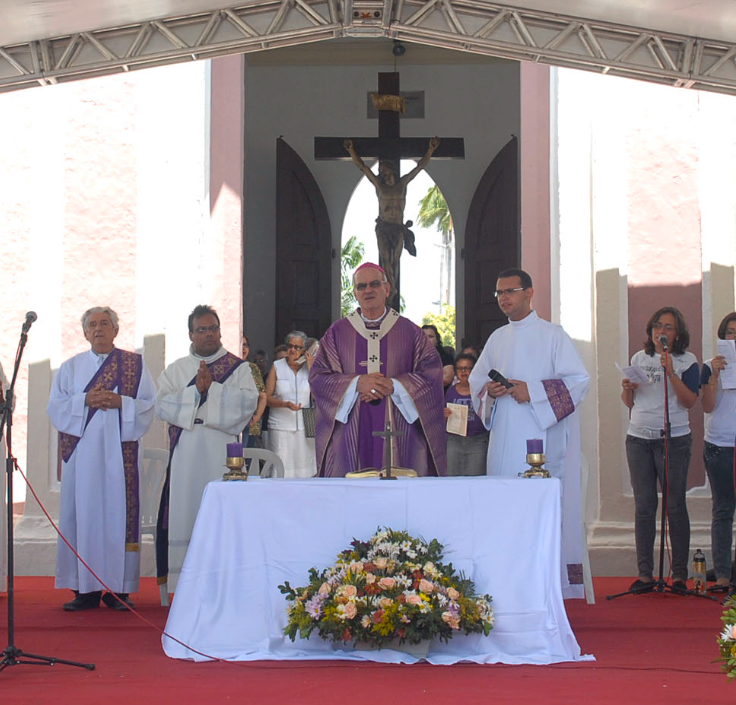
371	366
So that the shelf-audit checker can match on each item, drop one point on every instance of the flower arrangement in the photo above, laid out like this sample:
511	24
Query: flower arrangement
727	638
393	586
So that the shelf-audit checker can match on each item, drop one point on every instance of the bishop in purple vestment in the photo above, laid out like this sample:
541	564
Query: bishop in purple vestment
366	359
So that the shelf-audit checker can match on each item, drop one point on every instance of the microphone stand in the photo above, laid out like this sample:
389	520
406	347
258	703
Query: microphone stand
660	584
12	655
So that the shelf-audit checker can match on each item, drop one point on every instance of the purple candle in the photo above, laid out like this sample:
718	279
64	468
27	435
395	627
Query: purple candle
234	450
535	446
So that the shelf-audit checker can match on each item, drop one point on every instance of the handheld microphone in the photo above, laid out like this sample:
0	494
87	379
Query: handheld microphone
30	318
497	377
663	342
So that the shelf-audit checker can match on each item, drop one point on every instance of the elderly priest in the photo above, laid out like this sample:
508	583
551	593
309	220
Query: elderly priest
207	398
366	359
101	402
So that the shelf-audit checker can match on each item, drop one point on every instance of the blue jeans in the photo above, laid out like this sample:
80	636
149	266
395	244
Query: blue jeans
719	466
646	466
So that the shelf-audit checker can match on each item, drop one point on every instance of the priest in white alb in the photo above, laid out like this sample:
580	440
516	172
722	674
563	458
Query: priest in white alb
101	403
549	382
207	398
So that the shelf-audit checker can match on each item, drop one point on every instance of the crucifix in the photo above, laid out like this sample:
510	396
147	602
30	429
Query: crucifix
388	445
392	233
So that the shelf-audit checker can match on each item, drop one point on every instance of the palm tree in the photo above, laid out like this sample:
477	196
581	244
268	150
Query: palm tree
433	210
351	256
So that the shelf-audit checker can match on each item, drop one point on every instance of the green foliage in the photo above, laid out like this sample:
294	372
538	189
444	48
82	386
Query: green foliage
351	256
727	639
445	324
433	210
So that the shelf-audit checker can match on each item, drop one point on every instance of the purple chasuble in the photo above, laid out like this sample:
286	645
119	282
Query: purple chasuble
406	356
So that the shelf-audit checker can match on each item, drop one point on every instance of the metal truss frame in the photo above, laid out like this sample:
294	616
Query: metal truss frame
473	26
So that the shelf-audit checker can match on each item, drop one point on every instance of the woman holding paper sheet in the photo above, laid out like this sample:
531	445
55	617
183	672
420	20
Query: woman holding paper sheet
466	455
719	404
664	360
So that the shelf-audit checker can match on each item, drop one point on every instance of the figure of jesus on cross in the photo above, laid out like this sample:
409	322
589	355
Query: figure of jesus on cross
392	234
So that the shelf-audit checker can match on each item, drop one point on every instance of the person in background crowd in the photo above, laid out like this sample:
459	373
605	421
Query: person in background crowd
287	388
252	431
280	352
645	443
448	371
101	403
260	360
466	455
719	405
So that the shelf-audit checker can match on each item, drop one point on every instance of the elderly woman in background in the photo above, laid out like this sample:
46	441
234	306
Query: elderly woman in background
678	369
287	389
252	432
719	405
466	455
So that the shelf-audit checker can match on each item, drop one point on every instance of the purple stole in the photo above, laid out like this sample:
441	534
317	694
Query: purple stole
121	370
220	370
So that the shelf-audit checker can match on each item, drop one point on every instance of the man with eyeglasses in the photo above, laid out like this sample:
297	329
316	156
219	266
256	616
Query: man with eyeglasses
547	382
206	398
101	403
371	364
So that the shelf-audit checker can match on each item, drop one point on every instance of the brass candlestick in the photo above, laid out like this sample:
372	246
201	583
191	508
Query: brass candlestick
536	466
235	469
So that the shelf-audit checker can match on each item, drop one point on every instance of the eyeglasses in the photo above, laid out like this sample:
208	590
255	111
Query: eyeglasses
375	284
500	292
201	330
463	369
667	327
295	347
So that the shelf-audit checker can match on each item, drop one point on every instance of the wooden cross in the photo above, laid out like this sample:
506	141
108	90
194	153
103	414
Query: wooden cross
389	146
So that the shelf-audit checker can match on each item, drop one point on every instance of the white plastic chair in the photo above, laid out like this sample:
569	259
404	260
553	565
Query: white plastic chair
263	462
152	477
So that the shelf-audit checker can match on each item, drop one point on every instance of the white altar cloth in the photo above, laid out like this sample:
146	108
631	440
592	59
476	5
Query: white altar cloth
250	537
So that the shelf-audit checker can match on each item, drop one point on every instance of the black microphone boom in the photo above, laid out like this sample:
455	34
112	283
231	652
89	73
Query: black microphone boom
663	342
31	317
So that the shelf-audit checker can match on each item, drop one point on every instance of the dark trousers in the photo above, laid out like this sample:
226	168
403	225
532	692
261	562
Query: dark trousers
646	466
719	466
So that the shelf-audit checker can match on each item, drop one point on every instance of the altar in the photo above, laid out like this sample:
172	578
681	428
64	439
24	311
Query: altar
250	537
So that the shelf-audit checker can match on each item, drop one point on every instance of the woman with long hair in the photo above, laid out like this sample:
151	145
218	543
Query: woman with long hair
719	405
664	360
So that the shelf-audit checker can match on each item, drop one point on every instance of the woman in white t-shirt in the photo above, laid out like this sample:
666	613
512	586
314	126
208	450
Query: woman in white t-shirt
719	405
645	441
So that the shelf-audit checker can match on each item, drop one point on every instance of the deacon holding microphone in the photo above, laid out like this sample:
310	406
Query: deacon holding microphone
664	360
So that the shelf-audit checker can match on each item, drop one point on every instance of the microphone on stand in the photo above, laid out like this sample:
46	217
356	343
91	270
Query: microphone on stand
30	318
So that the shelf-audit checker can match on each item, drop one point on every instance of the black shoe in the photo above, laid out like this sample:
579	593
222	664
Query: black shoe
679	586
83	601
119	604
640	587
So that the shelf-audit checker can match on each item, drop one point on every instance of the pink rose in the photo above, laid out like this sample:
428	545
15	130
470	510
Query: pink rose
425	586
350	591
370	578
452	619
413	600
452	593
733	631
324	589
386	602
381	563
377	616
355	567
387	583
350	610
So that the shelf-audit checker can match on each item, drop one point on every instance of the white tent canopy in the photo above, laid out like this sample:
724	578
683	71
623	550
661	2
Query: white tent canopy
667	41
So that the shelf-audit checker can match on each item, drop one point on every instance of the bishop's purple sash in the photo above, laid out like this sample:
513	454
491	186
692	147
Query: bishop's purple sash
121	370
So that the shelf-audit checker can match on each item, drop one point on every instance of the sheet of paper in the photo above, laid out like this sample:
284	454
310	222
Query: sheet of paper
634	374
458	421
727	348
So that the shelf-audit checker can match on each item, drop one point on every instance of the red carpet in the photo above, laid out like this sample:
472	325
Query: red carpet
649	649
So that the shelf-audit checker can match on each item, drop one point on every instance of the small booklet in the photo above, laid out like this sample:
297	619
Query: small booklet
458	422
634	374
727	348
